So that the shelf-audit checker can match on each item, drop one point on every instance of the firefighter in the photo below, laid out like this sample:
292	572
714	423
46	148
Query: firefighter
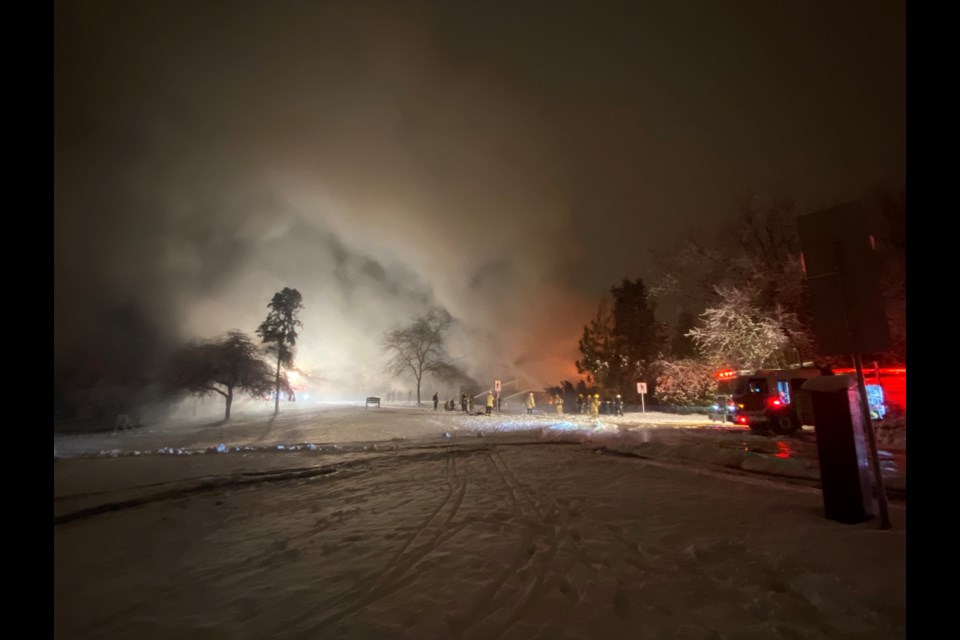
530	403
579	403
618	405
489	402
558	403
595	405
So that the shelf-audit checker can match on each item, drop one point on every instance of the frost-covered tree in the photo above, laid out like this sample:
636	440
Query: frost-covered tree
757	248
685	382
737	332
279	332
226	366
754	248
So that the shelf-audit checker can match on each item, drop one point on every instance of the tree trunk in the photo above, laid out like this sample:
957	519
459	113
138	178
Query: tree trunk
226	413
418	392
276	399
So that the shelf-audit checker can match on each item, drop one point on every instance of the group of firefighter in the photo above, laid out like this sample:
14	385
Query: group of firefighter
466	403
593	405
589	404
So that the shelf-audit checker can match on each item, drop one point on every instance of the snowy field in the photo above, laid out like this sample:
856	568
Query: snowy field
685	439
336	522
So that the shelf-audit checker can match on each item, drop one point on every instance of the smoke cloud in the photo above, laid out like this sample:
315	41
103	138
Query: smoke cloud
507	166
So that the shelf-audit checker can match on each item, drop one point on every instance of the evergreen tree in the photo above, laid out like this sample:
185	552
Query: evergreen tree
624	338
279	332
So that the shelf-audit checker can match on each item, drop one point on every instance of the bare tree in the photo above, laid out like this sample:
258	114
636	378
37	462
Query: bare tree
226	366
755	249
889	207
418	348
756	245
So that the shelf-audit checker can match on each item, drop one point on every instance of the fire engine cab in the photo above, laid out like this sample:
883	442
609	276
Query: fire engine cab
770	399
773	399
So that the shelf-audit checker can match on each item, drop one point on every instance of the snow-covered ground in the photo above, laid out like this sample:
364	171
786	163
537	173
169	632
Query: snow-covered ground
690	439
337	522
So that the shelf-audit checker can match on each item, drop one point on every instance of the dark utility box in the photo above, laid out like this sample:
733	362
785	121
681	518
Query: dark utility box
842	448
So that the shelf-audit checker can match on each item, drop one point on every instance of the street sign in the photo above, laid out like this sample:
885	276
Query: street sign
642	390
496	386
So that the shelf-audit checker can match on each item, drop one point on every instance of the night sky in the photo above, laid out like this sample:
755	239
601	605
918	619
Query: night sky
506	161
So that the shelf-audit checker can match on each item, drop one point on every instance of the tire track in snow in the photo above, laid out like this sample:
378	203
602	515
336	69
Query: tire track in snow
396	573
370	582
485	603
545	558
527	554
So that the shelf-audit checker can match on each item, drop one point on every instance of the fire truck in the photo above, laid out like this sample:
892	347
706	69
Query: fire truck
886	389
772	400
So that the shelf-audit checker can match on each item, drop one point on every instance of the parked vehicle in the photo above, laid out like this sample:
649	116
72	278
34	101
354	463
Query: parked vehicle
772	400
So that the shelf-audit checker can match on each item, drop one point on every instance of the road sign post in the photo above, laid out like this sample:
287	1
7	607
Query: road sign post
642	390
